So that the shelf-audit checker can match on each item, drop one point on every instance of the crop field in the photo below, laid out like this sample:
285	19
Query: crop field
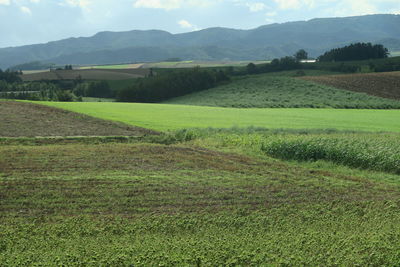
385	85
87	74
119	66
272	91
197	197
184	205
20	119
203	64
162	117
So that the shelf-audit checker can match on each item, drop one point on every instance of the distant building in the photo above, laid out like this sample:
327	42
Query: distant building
308	61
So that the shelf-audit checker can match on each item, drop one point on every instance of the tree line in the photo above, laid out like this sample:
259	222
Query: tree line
357	51
173	84
9	76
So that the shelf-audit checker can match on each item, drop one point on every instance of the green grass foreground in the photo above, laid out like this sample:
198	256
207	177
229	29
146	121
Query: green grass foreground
181	205
163	117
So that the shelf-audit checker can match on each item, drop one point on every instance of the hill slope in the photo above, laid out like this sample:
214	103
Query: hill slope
386	84
317	36
269	91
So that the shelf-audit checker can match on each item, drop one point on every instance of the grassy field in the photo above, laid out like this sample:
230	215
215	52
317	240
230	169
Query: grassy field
184	205
272	91
97	99
199	197
395	54
171	117
384	84
203	64
117	66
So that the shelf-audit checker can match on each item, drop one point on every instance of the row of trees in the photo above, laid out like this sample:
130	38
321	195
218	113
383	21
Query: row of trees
42	95
169	85
9	76
99	89
358	51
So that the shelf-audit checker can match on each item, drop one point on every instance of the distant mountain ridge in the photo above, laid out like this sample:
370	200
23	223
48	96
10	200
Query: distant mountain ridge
213	44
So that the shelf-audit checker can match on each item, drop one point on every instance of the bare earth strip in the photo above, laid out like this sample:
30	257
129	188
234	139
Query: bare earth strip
86	74
20	119
386	84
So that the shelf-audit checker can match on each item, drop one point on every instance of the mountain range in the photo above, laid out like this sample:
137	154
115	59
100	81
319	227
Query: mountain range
213	44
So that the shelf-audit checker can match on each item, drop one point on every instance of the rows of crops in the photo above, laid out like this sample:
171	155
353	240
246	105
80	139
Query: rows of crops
272	91
372	151
366	152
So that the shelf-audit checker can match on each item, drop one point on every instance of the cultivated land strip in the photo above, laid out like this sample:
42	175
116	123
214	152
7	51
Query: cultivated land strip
21	119
386	84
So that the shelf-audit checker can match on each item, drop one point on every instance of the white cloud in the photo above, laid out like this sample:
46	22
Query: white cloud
161	4
34	1
25	10
172	4
84	4
256	7
185	24
296	4
5	2
288	4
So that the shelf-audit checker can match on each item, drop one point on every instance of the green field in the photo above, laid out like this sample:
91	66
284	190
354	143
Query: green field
395	54
272	91
262	187
198	203
171	117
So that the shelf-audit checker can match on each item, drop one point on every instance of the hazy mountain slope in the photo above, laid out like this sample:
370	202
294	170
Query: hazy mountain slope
267	41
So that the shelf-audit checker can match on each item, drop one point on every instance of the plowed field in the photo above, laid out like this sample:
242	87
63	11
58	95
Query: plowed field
385	84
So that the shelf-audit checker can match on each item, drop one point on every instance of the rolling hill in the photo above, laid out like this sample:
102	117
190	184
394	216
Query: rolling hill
265	42
274	91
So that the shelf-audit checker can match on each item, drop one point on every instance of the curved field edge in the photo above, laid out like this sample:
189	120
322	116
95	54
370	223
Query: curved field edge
385	84
274	91
163	117
25	119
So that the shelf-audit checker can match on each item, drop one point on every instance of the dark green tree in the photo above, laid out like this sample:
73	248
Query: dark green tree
301	55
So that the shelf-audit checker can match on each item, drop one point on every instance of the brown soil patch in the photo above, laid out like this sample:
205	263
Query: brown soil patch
86	74
386	84
20	119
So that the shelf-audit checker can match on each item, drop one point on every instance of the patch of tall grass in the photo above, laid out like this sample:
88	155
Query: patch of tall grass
360	151
368	151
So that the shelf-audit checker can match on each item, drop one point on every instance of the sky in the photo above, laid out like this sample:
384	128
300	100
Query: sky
39	21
